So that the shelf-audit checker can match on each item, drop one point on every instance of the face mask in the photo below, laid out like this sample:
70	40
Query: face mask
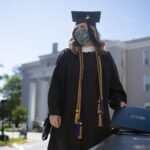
82	36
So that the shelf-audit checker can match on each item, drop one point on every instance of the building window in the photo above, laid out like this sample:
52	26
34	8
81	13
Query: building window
147	57
147	105
123	60
48	64
147	83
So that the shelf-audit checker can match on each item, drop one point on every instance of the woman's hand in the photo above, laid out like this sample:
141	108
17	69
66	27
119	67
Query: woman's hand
123	104
55	120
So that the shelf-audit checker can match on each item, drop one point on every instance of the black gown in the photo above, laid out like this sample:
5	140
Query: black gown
62	98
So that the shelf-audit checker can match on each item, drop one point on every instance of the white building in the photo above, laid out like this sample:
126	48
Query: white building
133	63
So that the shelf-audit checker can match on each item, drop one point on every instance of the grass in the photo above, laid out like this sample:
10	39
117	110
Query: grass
10	129
13	140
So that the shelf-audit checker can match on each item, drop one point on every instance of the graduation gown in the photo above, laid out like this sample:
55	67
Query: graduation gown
62	99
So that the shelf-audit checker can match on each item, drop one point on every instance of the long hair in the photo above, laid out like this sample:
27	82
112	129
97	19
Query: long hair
75	47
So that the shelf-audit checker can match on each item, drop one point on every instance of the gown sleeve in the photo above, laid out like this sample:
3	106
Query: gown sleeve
55	89
117	93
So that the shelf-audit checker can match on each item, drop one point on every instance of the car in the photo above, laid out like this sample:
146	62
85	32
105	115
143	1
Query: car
131	131
38	125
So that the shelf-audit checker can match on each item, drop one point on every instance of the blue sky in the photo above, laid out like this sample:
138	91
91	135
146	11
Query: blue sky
29	27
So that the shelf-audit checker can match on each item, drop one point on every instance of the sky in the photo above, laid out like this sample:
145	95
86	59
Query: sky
29	27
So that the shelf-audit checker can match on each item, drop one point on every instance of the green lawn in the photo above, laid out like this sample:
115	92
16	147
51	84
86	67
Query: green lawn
13	140
10	129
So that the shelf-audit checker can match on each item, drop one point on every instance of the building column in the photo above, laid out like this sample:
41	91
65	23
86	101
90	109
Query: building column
42	96
31	105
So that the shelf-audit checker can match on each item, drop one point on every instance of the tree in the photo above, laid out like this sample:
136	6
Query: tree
3	104
19	114
11	91
4	109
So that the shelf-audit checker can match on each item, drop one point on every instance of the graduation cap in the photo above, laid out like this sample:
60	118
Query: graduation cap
91	17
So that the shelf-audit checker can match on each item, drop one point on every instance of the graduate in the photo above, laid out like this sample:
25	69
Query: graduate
85	82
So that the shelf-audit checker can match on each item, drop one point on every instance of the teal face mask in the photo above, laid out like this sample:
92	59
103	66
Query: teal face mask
82	36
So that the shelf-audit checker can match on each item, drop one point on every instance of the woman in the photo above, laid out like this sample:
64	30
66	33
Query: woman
85	80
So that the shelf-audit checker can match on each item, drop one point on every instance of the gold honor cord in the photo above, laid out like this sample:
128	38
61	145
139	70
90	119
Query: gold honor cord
78	121
78	107
99	111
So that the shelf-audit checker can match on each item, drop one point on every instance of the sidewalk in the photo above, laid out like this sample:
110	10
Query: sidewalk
34	142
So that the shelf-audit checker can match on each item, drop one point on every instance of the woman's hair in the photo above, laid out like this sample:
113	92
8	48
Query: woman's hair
94	38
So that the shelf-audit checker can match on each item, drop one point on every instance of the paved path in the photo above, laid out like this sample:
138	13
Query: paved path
34	142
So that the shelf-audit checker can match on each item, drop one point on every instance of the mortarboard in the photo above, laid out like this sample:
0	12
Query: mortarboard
91	17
